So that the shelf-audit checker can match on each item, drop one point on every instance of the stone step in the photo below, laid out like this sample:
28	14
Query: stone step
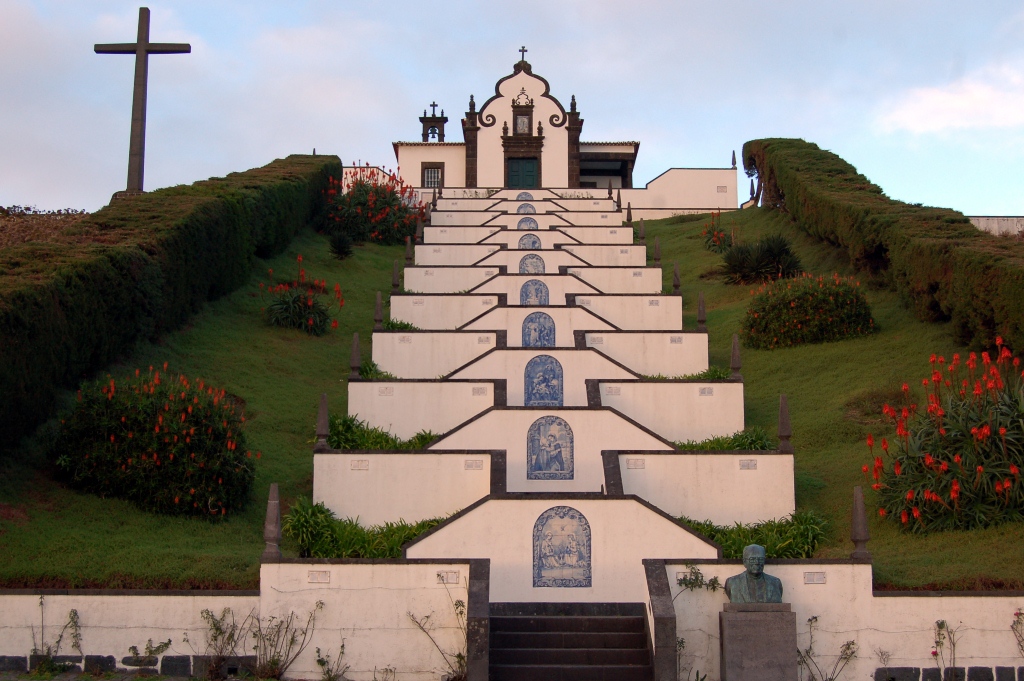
567	639
570	656
542	609
568	623
513	672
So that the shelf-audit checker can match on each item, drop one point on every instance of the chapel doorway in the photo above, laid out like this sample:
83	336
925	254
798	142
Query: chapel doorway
522	173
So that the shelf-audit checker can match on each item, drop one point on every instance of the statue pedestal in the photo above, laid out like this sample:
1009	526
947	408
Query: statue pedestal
758	642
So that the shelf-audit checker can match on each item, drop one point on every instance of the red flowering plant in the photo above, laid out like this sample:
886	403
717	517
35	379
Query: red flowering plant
956	464
370	204
716	240
169	444
806	309
301	303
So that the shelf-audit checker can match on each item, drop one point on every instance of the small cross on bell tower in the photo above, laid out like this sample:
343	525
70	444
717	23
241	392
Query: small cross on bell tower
433	125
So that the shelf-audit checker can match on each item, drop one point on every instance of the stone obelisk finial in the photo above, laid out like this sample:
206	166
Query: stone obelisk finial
618	199
272	527
657	253
433	199
751	187
378	313
394	279
629	213
675	279
734	158
735	364
702	316
419	231
408	252
859	534
643	233
785	430
355	360
610	187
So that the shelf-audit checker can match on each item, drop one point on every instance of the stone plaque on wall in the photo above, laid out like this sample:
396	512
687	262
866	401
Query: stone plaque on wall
758	642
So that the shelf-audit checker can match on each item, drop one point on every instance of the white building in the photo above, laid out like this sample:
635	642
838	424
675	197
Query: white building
523	138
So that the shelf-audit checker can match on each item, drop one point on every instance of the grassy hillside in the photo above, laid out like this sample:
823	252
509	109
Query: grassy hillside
52	536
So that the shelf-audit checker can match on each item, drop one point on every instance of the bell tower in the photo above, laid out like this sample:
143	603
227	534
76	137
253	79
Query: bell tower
433	125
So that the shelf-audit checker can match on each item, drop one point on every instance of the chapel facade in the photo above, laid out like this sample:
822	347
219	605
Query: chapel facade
520	138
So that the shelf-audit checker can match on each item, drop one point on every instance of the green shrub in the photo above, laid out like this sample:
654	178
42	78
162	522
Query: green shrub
807	309
941	265
369	207
340	245
769	259
956	464
168	444
349	432
369	371
393	325
752	439
797	536
135	269
712	373
320	535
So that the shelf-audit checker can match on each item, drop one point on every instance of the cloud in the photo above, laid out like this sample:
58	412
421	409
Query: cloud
989	98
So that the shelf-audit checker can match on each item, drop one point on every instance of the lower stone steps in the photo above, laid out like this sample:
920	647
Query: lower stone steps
569	642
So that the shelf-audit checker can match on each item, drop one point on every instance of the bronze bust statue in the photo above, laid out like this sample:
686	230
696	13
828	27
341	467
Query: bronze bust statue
753	586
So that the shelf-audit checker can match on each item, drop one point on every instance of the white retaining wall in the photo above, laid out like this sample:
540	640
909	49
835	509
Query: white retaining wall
1000	226
623	533
438	312
600	235
621	279
577	367
460	217
366	605
679	411
552	260
637	313
610	256
405	408
428	354
707	485
847	610
445	279
548	238
380	487
452	254
566	319
593	431
558	286
655	352
456	235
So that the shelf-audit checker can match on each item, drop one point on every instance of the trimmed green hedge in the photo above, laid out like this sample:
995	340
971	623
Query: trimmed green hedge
135	269
941	265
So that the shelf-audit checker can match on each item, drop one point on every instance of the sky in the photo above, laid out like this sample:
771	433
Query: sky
925	97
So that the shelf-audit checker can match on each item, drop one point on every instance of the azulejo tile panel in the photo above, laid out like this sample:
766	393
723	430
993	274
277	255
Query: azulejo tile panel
524	196
534	292
526	208
529	242
549	450
531	263
538	330
562	549
527	223
543	385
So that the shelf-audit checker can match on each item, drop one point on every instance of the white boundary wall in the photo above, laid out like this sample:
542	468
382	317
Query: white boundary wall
600	235
625	255
679	411
366	604
847	610
637	313
428	354
379	487
656	352
405	408
456	235
1000	226
706	485
452	254
445	279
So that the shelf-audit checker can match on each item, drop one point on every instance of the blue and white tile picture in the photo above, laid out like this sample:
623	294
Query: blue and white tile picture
549	450
542	382
561	549
527	223
526	208
531	264
538	330
533	293
529	242
524	196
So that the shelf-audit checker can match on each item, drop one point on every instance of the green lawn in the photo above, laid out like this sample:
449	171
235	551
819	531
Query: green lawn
50	536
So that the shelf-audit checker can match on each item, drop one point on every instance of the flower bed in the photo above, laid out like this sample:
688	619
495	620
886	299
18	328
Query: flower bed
957	463
370	206
806	309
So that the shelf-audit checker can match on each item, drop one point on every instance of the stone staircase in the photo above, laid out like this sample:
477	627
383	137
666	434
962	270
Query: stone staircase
569	642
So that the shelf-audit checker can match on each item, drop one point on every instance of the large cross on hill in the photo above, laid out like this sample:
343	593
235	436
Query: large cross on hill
141	48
